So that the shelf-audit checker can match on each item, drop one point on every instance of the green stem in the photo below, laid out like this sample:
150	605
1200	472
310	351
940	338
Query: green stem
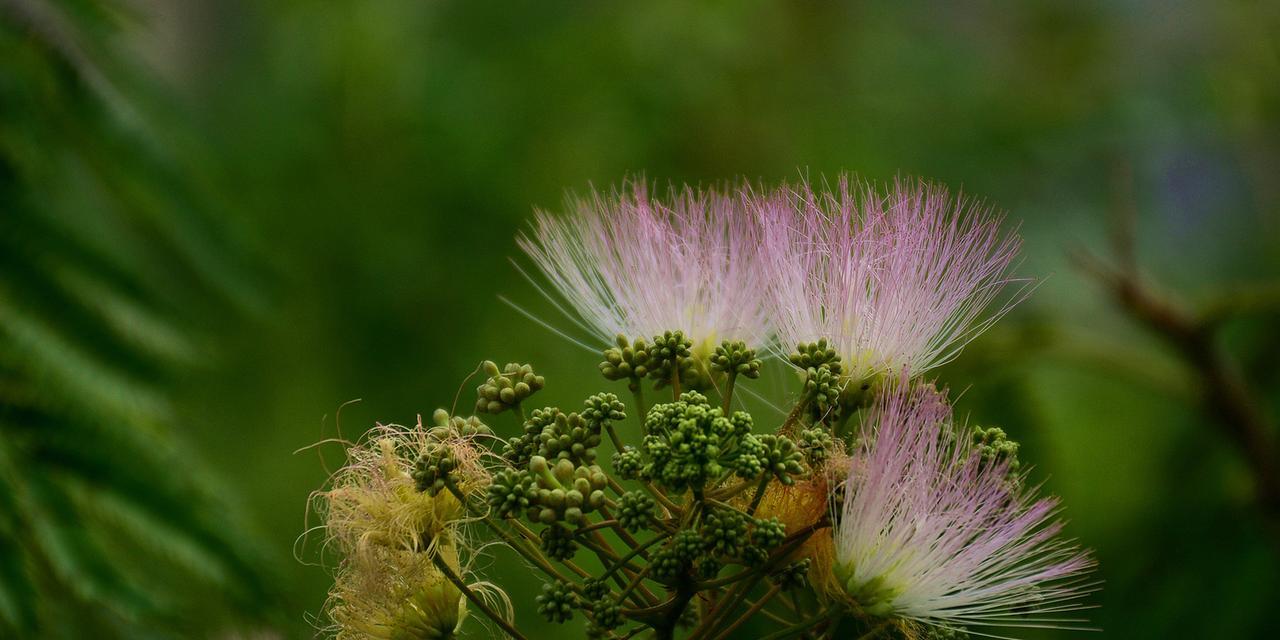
755	502
754	609
475	599
728	392
637	392
804	625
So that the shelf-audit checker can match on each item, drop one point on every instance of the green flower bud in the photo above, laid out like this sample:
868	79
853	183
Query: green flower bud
557	602
557	543
816	354
432	468
626	361
816	443
737	359
635	510
724	532
628	464
511	492
507	387
794	575
671	353
768	534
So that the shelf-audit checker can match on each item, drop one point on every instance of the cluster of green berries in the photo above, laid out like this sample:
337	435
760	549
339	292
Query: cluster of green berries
556	435
506	388
432	468
635	510
995	447
678	557
603	610
794	575
817	444
445	426
557	601
690	442
557	542
770	453
564	492
735	358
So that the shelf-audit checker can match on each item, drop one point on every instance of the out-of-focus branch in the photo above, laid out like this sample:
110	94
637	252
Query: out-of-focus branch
1227	396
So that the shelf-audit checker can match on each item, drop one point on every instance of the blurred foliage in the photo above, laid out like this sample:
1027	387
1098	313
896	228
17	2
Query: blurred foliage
371	161
108	526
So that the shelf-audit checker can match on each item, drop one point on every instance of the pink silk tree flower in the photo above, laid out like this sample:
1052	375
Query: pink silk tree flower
630	264
892	278
934	531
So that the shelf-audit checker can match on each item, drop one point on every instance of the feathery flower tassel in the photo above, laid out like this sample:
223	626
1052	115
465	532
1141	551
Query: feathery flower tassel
632	265
934	531
892	278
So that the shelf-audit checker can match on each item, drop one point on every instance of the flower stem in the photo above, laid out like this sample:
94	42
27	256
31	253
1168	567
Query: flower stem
475	599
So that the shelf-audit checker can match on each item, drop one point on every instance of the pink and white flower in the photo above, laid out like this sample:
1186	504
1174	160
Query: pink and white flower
892	278
628	263
933	532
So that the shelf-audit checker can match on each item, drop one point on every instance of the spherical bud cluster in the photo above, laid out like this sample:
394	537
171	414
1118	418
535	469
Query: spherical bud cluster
557	542
822	387
782	458
432	468
816	444
769	453
564	492
511	493
635	510
555	435
768	533
736	359
507	387
602	409
557	601
570	437
794	575
671	353
690	442
678	557
995	447
628	464
811	355
626	361
446	425
724	532
606	616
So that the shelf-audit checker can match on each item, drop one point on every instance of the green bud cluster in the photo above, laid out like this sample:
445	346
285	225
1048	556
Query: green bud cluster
690	442
794	575
557	542
635	510
816	443
724	532
557	601
433	467
507	387
768	534
511	493
446	426
811	355
556	435
769	453
626	361
995	447
606	615
678	557
628	463
671	353
565	492
736	359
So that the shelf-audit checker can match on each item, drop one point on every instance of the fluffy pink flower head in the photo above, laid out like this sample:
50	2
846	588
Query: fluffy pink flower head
892	278
933	531
630	264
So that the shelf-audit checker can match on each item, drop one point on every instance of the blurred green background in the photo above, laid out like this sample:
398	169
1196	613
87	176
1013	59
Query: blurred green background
222	220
